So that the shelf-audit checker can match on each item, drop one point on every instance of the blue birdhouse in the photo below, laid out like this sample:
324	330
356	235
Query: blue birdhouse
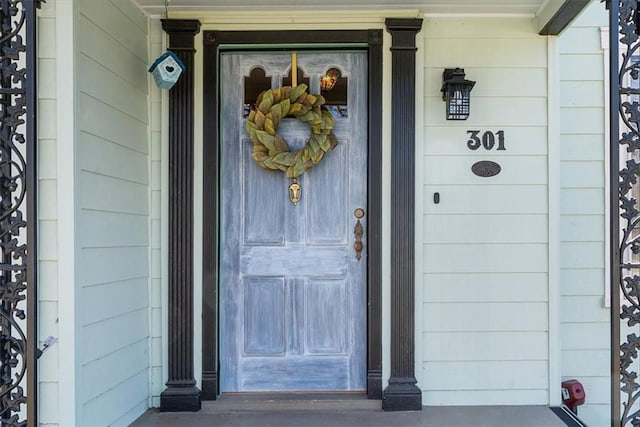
166	70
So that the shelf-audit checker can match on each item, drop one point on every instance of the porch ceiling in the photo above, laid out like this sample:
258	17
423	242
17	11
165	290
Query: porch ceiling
506	7
552	16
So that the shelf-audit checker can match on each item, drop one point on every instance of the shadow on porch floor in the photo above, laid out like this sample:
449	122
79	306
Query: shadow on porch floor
243	411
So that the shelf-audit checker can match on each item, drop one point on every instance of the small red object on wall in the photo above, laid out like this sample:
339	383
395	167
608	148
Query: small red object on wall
573	394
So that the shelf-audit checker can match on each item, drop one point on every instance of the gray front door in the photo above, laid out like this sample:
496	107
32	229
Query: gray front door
292	291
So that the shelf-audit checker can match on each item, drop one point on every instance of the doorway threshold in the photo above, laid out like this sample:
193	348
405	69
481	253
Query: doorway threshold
311	401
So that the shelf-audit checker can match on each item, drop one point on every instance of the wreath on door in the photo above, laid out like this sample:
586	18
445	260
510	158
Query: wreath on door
270	150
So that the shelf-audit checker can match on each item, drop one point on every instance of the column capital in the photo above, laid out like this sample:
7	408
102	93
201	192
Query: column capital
403	32
403	24
181	32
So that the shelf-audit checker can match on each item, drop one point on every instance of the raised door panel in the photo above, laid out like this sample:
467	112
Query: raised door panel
328	198
326	312
264	316
263	215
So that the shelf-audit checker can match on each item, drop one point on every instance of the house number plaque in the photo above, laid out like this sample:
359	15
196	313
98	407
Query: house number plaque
488	140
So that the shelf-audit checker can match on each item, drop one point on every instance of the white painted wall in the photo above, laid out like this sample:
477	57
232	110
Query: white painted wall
159	227
585	320
485	285
48	387
487	331
483	278
113	223
95	196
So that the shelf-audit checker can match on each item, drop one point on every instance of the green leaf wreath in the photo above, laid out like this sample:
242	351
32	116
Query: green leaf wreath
270	150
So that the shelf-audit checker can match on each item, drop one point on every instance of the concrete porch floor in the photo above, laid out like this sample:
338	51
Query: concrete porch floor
252	411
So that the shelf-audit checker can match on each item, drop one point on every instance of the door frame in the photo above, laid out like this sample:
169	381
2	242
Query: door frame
214	43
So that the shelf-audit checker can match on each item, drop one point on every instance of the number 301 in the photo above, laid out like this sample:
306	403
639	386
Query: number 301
488	140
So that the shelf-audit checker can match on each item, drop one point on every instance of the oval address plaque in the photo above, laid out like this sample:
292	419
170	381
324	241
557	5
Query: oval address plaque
486	168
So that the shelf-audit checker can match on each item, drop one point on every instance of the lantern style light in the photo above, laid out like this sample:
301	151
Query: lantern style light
456	92
328	81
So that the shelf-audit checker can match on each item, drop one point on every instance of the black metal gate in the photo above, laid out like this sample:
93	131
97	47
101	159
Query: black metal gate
18	300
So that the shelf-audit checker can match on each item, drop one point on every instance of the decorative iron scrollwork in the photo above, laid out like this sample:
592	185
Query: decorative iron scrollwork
16	86
626	262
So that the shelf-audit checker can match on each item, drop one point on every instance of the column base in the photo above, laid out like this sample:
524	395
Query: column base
180	399
402	394
374	384
209	385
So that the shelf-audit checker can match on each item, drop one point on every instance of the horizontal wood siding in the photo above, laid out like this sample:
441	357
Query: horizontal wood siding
485	255
585	320
113	221
158	215
48	372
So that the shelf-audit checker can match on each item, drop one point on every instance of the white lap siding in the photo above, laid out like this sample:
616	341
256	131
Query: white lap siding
158	214
585	320
113	220
48	374
485	299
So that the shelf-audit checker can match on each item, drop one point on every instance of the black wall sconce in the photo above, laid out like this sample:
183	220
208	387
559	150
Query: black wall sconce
456	92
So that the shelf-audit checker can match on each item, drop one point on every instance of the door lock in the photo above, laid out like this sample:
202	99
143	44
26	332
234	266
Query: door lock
358	232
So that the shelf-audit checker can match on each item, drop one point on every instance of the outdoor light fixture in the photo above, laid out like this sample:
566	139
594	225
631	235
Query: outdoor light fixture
328	81
456	92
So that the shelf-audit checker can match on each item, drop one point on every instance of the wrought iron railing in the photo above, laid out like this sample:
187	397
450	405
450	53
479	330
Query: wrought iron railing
625	213
17	213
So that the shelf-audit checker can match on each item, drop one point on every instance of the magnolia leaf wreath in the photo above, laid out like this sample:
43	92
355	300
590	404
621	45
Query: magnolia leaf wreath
270	150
